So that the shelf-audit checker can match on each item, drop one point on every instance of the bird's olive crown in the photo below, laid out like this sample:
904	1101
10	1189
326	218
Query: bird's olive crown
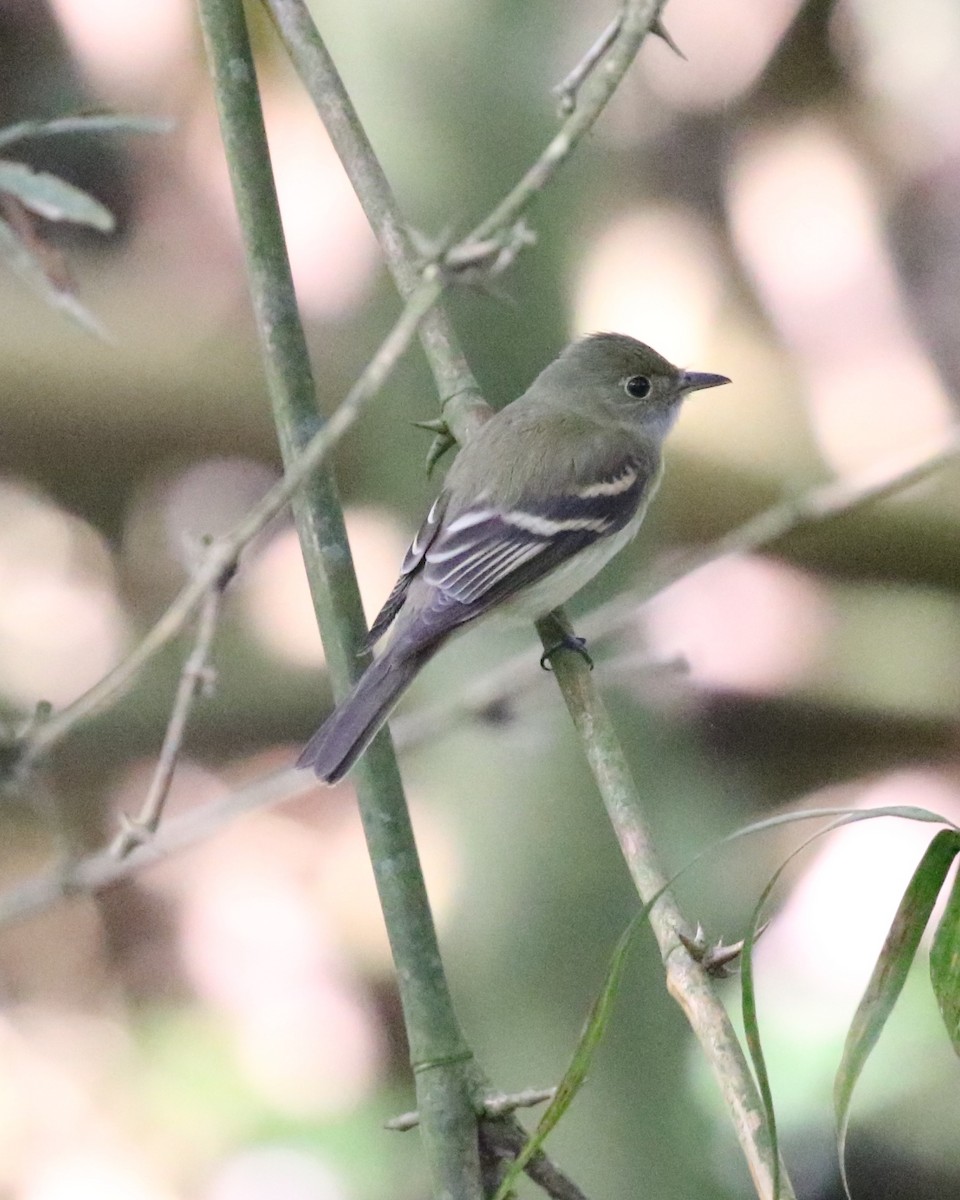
616	360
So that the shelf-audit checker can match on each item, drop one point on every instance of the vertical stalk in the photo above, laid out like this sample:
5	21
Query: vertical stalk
441	1059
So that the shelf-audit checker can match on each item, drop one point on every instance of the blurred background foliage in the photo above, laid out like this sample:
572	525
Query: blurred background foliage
783	207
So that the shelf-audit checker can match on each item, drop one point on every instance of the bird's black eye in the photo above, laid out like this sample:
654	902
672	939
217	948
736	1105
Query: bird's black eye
637	386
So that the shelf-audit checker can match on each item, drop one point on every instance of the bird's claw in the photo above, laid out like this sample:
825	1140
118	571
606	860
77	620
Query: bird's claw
569	641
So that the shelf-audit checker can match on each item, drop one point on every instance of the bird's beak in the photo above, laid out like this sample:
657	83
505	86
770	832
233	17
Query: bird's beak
696	381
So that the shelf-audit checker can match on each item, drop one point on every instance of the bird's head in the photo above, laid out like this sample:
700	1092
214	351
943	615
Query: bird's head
629	380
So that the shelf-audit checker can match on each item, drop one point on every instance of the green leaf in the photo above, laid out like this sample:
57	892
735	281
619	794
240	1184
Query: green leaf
751	1025
52	197
889	976
576	1073
945	965
748	994
102	122
598	1018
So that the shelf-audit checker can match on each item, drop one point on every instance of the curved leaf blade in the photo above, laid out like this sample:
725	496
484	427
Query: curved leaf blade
576	1073
945	965
94	122
52	197
596	1023
889	976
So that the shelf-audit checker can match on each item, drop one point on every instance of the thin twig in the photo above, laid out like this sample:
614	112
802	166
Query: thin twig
195	678
92	874
224	551
638	19
566	90
495	1105
687	980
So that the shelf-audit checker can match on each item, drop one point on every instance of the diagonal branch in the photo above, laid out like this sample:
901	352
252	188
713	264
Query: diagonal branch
640	17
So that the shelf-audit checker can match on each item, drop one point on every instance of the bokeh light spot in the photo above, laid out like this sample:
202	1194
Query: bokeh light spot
61	623
741	623
276	597
655	275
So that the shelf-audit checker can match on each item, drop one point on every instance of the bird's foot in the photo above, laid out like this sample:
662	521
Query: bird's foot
568	641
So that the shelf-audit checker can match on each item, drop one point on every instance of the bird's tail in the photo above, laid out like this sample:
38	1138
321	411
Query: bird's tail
352	726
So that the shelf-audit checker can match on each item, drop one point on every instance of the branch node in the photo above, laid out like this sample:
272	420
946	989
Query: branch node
717	959
480	260
133	833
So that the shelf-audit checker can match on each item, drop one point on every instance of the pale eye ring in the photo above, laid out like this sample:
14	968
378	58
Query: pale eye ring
637	386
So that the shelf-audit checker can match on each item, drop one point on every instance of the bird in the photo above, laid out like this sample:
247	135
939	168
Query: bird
548	490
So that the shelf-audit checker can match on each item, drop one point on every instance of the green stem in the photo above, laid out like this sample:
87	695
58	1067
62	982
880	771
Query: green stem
687	981
319	75
440	1056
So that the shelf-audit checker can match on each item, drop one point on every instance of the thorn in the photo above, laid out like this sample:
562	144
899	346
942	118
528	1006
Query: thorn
441	443
438	448
660	30
436	425
716	960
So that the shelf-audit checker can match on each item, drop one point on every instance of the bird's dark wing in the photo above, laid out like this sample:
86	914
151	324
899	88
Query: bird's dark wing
412	562
482	555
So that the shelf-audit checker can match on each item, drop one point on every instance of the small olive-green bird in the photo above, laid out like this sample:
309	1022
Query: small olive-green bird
540	499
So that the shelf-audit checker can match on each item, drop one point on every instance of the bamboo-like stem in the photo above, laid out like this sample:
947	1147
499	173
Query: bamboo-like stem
438	1052
194	679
